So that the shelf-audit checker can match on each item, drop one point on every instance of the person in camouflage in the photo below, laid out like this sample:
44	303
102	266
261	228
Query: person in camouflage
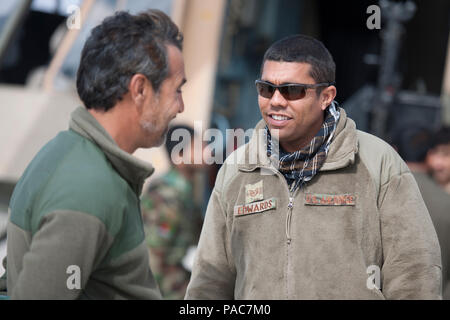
172	218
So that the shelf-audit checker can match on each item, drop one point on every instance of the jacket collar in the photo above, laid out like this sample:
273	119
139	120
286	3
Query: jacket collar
343	147
130	168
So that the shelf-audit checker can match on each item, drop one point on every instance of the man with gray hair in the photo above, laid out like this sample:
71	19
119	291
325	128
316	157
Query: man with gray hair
75	228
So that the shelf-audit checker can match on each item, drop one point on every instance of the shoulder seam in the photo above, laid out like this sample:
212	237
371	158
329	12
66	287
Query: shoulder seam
394	176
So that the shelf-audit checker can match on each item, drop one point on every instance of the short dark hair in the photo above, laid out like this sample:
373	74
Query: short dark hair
170	144
413	139
120	47
302	48
441	136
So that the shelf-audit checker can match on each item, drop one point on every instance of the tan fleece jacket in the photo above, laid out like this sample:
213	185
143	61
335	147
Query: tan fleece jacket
358	230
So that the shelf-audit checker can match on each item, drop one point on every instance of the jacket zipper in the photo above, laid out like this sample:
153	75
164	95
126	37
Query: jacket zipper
289	218
290	206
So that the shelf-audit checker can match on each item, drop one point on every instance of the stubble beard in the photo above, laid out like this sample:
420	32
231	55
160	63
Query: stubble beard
151	129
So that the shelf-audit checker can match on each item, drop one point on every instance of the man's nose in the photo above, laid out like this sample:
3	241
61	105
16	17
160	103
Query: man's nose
181	109
278	100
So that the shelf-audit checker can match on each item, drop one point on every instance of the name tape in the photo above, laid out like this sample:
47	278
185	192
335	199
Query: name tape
255	207
330	199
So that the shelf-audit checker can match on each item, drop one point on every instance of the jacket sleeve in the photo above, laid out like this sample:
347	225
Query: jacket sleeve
412	257
213	273
64	251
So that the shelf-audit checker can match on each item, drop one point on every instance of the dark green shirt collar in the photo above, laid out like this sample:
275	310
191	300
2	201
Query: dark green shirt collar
130	168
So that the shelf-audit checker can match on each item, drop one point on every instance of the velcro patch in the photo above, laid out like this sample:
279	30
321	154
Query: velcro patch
330	199
255	207
254	192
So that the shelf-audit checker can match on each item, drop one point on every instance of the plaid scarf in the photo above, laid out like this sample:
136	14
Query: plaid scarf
301	166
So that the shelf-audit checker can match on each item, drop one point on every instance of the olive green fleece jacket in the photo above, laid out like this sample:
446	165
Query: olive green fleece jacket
76	212
358	230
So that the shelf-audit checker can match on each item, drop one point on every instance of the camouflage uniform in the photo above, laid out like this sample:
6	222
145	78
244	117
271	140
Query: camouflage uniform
172	224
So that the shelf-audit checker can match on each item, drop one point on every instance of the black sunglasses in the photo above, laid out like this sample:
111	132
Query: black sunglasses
290	91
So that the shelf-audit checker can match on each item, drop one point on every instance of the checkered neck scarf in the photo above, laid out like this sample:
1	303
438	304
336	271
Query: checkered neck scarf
301	166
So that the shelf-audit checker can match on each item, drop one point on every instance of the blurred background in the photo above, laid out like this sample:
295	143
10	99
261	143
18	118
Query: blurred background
385	77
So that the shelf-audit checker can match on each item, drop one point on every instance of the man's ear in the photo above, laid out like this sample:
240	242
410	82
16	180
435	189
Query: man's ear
140	89
327	96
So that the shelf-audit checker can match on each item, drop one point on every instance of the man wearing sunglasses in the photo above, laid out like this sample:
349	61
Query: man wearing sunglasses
332	213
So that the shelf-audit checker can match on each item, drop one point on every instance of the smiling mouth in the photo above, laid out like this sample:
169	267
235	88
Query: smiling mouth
279	117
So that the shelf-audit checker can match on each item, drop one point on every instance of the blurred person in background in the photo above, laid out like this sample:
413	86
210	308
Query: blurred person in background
438	158
75	229
172	215
413	141
311	207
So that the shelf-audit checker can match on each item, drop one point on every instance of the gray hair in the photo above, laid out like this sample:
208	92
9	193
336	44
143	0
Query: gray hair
120	47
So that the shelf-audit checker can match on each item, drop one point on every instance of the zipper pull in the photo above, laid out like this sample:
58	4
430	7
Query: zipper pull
291	203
